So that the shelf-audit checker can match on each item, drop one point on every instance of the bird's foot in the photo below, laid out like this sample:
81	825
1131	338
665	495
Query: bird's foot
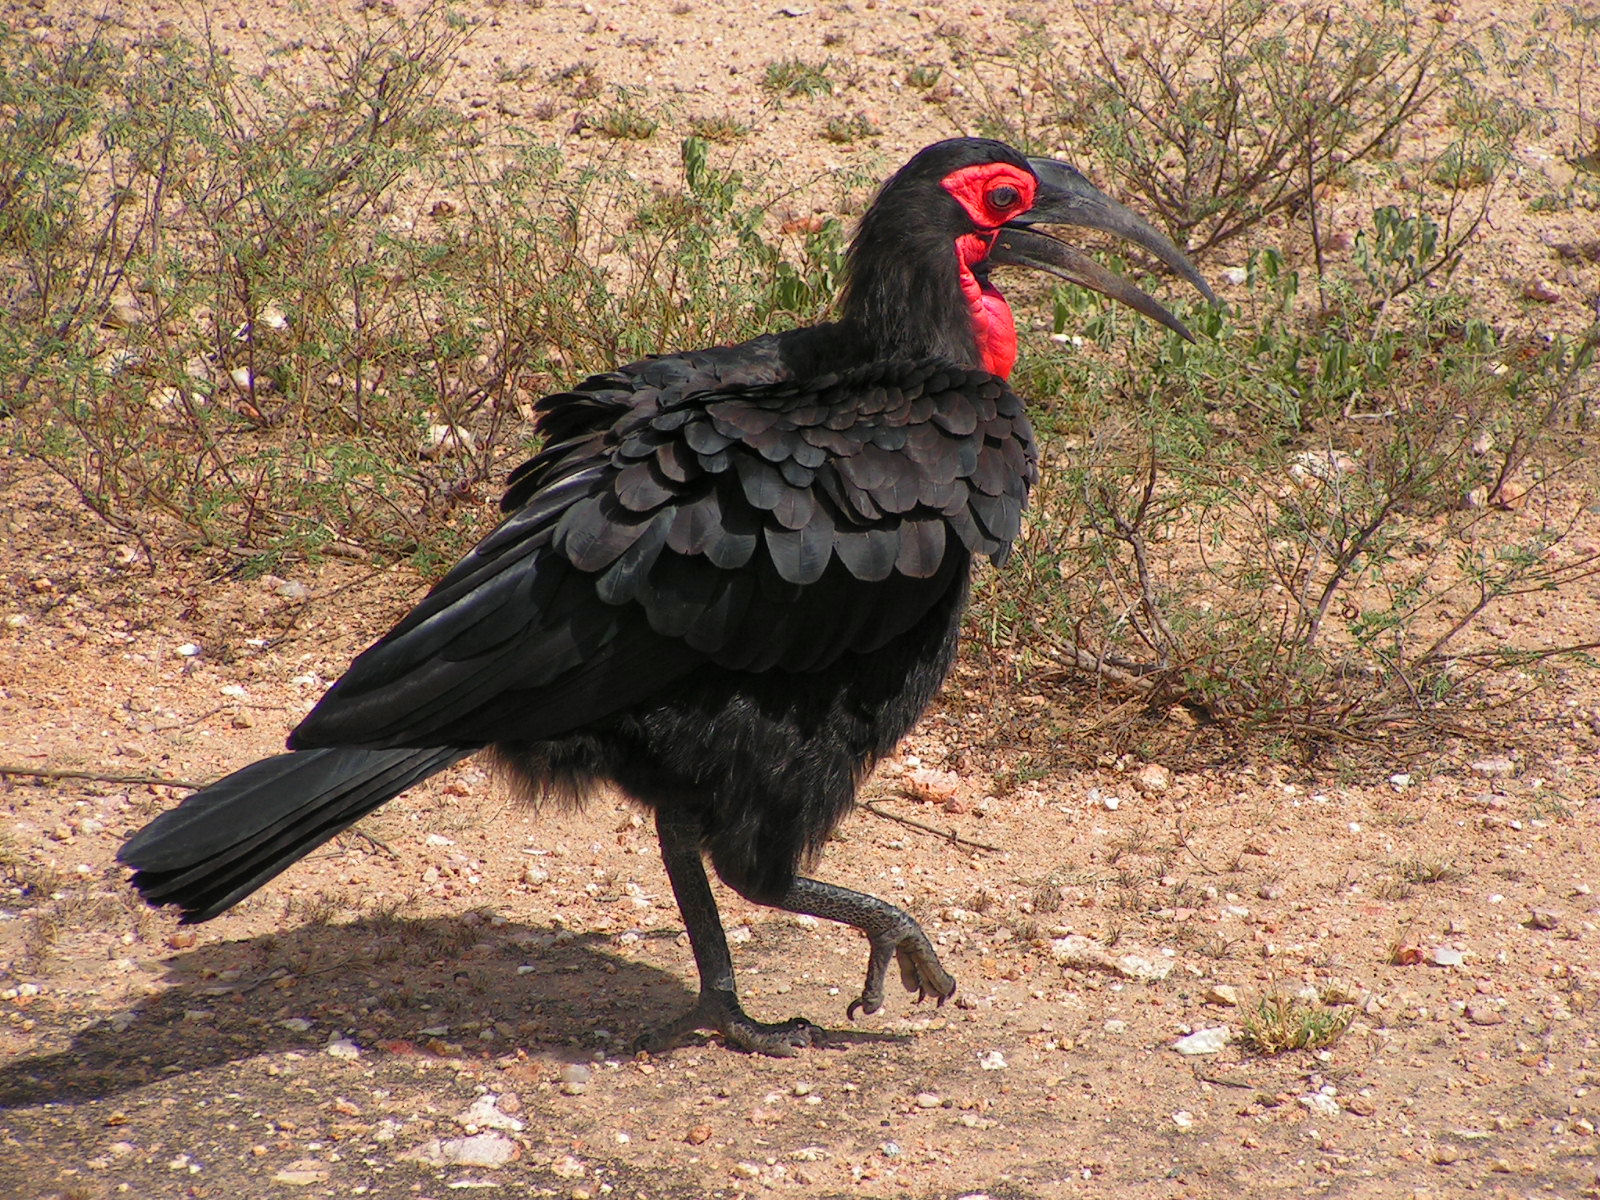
920	969
720	1012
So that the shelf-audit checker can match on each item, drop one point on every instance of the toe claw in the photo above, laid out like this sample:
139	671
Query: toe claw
862	1005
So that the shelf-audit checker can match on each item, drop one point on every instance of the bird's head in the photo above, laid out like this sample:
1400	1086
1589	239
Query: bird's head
919	265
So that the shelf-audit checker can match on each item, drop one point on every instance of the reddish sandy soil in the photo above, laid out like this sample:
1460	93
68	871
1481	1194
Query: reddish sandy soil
336	1034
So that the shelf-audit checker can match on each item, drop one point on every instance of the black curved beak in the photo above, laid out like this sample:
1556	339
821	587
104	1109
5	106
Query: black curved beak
1065	197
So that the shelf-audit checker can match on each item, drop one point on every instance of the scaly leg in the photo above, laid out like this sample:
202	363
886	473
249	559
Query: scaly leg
718	1007
891	933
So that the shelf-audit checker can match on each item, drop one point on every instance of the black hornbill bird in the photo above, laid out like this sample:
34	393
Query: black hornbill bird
731	581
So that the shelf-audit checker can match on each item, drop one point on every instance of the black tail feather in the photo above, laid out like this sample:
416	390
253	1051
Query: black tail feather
226	840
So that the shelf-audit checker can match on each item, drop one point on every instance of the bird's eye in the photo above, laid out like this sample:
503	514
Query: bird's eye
1004	197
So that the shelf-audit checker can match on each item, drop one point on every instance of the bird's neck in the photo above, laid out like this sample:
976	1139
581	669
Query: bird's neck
993	326
912	295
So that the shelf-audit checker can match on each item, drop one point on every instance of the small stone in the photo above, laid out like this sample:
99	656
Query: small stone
484	1112
489	1150
926	783
745	1170
927	1100
188	650
1147	970
534	875
1183	1119
301	1176
1152	778
698	1135
1544	918
1221	994
1086	954
1204	1041
343	1048
568	1167
295	1024
992	1060
1404	954
1444	1154
576	1073
1485	1014
442	440
1445	956
1320	1105
122	313
1541	290
1359	1106
1494	768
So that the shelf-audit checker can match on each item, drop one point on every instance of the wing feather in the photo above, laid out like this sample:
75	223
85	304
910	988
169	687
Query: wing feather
693	509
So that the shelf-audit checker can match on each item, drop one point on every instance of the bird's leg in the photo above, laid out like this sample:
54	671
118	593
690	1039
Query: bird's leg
718	1007
890	931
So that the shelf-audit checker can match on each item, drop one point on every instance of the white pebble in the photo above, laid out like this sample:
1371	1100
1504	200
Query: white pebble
1204	1041
1321	1105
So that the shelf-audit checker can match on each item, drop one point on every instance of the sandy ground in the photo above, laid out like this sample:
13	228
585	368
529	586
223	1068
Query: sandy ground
471	969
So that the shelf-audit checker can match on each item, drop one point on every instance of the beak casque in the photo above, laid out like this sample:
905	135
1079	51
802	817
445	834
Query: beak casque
1065	197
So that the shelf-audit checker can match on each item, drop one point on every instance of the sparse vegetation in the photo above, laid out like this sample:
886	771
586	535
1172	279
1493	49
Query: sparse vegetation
722	129
846	130
1340	448
1429	870
791	77
625	119
1280	1023
1219	116
323	336
1281	563
210	364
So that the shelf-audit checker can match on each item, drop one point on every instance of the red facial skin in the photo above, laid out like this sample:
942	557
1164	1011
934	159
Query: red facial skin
982	191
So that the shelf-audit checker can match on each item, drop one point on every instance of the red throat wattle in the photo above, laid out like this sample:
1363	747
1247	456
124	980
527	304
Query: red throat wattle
992	323
991	194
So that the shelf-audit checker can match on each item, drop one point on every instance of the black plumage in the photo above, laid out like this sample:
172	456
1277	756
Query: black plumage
730	582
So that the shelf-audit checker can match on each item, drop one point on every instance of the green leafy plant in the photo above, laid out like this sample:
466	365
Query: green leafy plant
1281	1023
797	77
312	312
